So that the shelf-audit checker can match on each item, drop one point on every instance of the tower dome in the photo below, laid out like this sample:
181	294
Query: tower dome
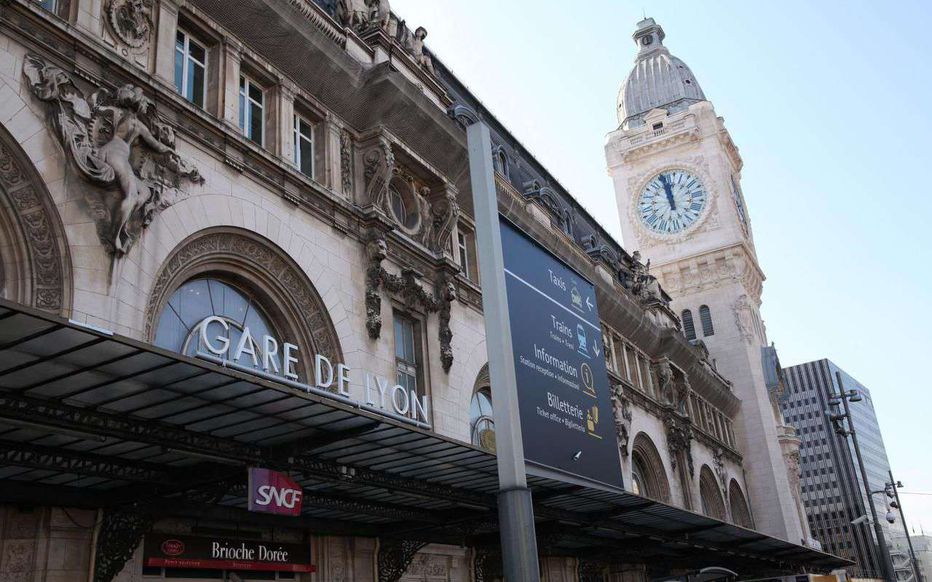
658	79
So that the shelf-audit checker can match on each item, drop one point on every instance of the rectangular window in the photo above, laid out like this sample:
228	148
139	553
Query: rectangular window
466	253
251	110
190	69
407	354
50	5
304	145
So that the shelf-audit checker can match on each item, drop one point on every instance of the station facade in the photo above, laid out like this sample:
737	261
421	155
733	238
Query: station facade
237	234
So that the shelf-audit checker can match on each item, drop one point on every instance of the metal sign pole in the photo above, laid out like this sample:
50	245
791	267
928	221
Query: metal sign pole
515	508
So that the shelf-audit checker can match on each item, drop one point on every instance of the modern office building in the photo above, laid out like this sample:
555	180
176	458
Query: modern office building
833	489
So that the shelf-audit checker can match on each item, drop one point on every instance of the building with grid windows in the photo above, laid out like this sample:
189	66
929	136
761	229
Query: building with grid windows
832	488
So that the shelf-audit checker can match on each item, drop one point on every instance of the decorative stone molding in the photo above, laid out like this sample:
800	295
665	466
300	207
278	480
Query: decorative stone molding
119	146
46	267
395	556
130	21
242	252
411	293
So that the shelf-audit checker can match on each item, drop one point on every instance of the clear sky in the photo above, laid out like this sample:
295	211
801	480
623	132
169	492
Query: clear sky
830	104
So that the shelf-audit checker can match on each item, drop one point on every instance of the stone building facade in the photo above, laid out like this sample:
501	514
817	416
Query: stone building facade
300	168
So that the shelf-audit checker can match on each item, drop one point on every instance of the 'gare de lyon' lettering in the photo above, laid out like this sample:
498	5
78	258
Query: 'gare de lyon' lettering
378	391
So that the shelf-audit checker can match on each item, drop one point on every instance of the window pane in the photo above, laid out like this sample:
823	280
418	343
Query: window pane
179	72
255	124
399	340
197	52
306	163
196	84
255	93
49	5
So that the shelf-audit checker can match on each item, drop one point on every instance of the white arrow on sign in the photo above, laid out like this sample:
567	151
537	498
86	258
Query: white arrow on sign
589	303
595	348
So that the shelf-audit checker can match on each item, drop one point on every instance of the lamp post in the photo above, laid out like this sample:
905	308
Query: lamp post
895	486
854	396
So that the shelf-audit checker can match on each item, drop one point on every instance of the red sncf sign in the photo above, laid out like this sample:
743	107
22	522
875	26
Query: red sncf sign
273	492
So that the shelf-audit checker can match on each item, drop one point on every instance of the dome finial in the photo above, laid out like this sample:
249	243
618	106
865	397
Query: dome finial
649	35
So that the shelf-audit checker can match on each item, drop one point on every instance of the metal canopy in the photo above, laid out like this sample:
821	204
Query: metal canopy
91	419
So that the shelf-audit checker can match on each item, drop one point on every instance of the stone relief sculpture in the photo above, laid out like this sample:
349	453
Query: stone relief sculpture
131	21
353	13
665	382
682	390
679	438
644	285
743	318
117	144
718	460
621	406
415	46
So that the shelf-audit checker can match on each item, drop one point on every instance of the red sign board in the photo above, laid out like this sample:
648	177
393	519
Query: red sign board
171	551
273	492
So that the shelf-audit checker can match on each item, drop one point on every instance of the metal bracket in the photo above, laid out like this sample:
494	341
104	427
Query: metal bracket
395	556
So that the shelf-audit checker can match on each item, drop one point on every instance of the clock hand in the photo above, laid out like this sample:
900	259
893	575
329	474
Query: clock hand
668	189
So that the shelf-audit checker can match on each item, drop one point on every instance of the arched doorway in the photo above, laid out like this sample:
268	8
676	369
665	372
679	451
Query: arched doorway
35	267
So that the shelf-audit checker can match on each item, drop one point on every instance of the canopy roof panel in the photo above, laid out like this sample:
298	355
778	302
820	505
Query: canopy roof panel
94	420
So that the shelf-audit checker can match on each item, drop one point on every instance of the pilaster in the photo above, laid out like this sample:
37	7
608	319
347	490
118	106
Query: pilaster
165	42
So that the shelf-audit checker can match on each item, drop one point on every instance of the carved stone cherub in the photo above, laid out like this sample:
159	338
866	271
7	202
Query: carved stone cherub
117	143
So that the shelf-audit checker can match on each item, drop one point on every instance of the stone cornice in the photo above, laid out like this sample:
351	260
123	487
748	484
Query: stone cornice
713	268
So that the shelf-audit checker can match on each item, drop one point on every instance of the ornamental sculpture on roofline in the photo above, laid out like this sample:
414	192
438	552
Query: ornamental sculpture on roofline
118	145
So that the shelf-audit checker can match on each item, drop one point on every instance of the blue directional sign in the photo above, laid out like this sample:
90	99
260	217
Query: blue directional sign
563	390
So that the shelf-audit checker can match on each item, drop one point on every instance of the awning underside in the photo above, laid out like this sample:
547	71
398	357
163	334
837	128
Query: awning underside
92	420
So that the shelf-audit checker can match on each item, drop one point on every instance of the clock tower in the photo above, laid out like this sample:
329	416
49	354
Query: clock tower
677	178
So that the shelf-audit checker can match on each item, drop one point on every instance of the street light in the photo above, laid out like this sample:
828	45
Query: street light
838	420
894	486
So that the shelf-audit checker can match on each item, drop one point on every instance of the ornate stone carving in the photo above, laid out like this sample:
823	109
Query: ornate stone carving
346	162
395	556
379	168
792	468
406	287
718	461
644	285
743	318
33	212
664	373
621	406
444	215
118	145
216	246
679	438
131	21
361	15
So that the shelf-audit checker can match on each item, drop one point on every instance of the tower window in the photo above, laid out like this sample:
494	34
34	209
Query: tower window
689	328
657	126
705	316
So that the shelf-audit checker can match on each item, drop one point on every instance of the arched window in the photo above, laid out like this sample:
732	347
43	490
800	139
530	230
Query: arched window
481	422
181	320
689	328
501	161
648	477
740	512
705	316
712	503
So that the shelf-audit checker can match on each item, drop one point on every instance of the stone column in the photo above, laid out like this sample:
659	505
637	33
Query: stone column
165	42
88	16
229	82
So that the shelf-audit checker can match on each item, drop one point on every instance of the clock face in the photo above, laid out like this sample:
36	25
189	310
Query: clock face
671	202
